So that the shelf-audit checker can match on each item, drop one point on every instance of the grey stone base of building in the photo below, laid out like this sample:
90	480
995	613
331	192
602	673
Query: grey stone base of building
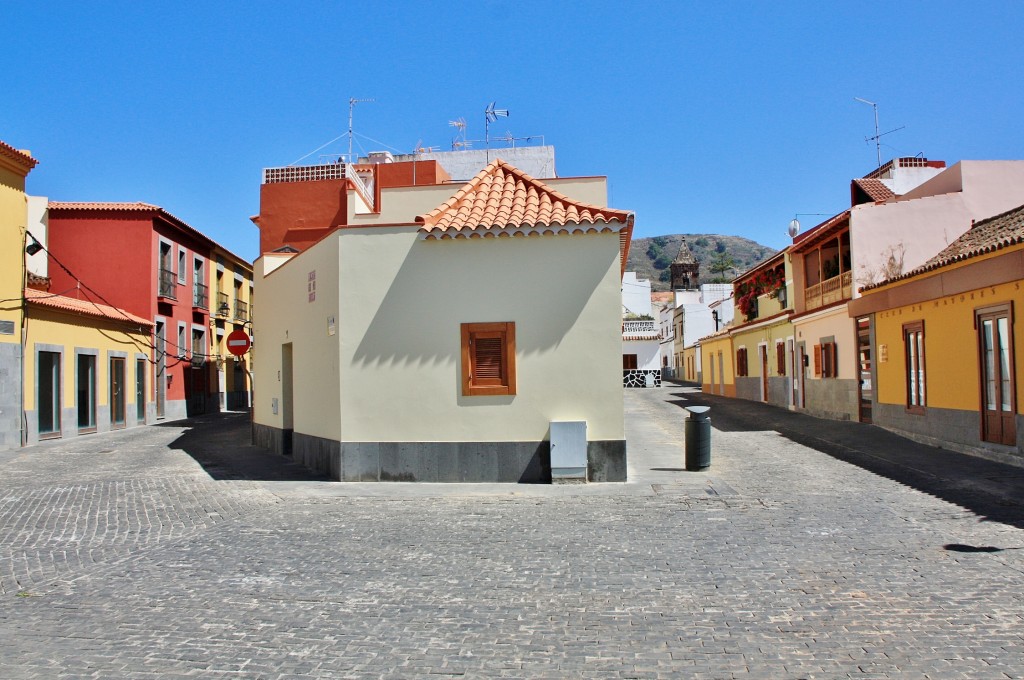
948	429
832	398
523	462
10	395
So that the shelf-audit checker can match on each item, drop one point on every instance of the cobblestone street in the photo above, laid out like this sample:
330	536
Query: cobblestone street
180	551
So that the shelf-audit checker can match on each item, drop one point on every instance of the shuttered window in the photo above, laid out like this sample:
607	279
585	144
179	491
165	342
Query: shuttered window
488	358
780	358
826	360
741	362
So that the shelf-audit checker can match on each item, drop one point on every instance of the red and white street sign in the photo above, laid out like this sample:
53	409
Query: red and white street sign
239	342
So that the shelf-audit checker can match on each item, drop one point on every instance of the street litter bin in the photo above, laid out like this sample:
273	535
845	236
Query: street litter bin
697	438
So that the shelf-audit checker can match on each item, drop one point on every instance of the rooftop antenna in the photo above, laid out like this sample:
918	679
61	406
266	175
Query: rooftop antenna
460	125
351	107
877	139
491	115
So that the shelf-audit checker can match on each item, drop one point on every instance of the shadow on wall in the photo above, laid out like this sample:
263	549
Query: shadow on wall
441	284
987	488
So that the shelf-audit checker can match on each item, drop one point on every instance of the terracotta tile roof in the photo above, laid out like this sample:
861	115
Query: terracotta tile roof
19	158
86	307
102	205
502	200
825	228
986	236
875	188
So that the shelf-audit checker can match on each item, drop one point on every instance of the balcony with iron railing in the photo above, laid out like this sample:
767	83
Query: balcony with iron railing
241	311
200	296
829	291
168	284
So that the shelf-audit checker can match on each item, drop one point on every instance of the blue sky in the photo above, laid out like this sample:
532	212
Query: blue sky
706	117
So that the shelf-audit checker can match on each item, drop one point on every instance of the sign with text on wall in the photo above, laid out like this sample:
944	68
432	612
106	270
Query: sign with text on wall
311	286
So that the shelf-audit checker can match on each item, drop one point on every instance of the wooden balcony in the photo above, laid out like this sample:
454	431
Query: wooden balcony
832	290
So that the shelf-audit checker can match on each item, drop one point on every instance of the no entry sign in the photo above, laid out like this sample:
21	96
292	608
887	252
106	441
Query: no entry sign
239	342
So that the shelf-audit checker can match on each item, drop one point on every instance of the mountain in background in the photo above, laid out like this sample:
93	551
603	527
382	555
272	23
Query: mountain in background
650	257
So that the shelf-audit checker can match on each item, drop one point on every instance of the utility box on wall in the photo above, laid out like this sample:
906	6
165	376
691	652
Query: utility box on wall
569	451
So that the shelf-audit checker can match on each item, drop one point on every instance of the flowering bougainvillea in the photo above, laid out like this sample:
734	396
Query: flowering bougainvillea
770	281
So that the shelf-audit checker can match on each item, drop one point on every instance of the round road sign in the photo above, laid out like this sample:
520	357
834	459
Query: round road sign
239	342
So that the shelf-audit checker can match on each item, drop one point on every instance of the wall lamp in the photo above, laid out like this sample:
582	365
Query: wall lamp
33	247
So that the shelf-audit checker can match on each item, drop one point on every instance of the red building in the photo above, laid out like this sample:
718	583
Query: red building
140	258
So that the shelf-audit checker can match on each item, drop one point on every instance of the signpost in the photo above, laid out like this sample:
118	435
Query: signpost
239	342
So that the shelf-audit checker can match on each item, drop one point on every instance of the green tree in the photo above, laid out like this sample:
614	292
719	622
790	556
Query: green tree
662	262
722	263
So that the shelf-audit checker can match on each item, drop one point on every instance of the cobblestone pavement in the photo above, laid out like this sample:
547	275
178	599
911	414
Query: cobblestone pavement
176	551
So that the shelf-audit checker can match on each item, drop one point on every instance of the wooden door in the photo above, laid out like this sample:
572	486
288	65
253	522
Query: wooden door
998	408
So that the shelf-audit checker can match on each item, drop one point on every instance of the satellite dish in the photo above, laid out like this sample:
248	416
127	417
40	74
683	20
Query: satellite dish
794	227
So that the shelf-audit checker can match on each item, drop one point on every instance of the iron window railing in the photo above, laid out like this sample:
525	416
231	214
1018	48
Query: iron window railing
168	284
200	296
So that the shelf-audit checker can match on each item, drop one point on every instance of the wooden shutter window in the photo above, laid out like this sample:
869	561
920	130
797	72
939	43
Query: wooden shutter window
488	358
780	358
817	360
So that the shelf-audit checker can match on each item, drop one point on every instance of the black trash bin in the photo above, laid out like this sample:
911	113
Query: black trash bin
697	438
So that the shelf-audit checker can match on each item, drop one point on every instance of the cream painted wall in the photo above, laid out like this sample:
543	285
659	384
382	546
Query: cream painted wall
399	304
286	315
836	323
403	300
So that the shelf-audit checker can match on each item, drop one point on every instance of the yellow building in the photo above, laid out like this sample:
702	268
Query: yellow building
14	168
231	308
945	335
767	369
87	367
717	368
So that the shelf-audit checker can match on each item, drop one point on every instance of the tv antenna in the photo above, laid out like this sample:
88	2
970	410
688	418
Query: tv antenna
460	137
351	107
877	139
491	115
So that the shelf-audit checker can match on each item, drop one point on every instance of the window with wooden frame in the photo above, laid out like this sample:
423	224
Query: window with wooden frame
780	358
741	362
629	362
488	358
913	354
826	362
